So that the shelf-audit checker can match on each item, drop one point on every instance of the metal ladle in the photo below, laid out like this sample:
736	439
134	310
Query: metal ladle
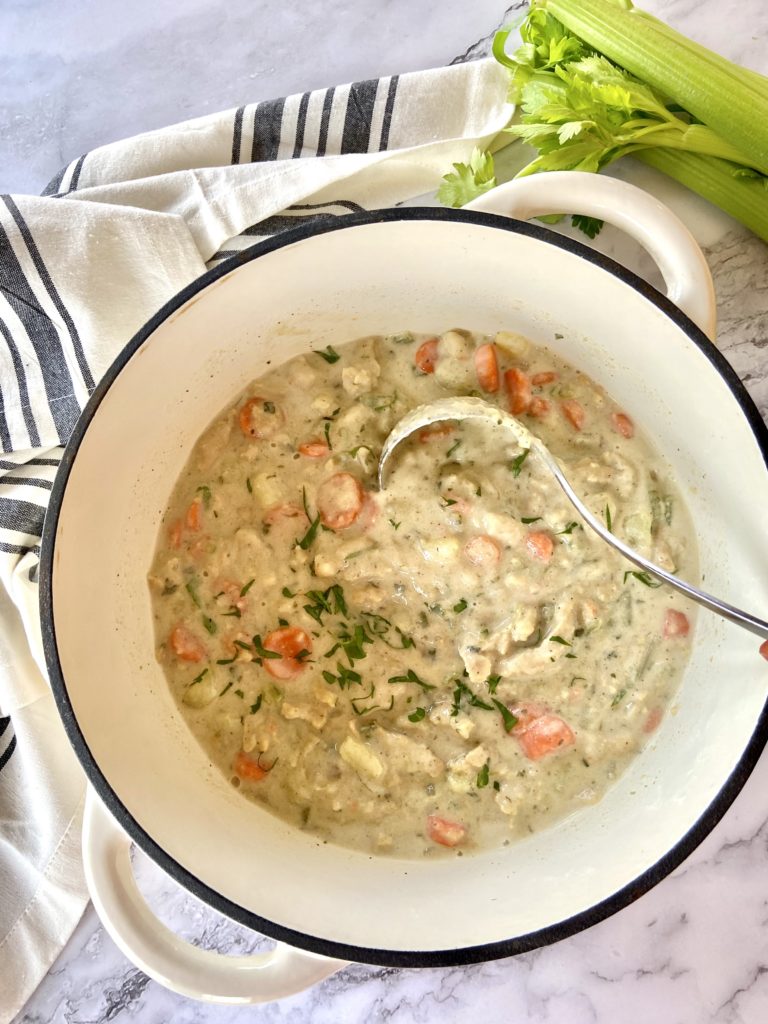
459	409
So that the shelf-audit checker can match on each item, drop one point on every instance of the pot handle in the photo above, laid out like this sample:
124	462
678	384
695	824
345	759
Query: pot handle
168	959
660	232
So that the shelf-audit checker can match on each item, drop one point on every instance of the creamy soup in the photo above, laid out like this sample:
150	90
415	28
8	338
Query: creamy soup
450	663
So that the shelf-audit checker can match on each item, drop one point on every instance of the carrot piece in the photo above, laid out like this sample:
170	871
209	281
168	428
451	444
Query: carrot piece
426	355
259	418
764	649
193	519
538	379
175	531
246	768
340	500
518	388
315	449
540	545
544	735
487	368
288	641
675	624
653	721
573	412
539	407
439	430
483	551
622	424
445	832
276	513
185	644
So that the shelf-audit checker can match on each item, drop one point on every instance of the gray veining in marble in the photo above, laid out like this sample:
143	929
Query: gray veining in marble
695	948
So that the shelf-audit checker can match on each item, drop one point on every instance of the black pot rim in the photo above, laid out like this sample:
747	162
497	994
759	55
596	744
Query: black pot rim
314	943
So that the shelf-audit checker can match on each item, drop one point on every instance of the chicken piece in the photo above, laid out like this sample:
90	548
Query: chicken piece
315	714
462	770
408	755
360	380
361	758
461	723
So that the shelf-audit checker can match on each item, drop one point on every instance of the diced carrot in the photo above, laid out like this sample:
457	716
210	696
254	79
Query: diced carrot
445	832
175	531
340	500
538	379
539	407
653	721
246	768
193	518
487	368
764	649
426	356
259	418
539	731
622	424
545	735
316	449
288	641
436	432
276	513
573	412
540	545
482	551
369	513
675	623
518	388
185	644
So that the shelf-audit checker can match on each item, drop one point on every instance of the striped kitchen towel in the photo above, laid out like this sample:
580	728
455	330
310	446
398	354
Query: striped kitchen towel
117	234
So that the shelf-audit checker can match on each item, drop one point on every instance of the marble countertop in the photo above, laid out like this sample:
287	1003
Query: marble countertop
695	948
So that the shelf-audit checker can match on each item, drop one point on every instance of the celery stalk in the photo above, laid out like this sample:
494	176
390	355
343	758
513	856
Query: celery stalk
733	105
743	198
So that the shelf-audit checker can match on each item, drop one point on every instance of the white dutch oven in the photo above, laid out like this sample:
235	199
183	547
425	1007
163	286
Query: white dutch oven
425	270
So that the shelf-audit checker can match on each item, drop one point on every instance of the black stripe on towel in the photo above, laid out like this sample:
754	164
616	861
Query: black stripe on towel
388	109
301	122
325	120
21	516
237	135
279	222
21	380
18	549
347	204
53	186
267	128
357	122
26	481
50	287
76	173
5	434
5	757
4	723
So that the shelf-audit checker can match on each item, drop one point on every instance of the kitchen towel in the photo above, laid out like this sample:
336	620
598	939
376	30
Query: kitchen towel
117	234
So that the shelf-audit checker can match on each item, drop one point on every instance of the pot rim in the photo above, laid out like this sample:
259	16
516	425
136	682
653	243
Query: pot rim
313	943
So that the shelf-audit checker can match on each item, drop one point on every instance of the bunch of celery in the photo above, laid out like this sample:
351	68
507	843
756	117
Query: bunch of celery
595	80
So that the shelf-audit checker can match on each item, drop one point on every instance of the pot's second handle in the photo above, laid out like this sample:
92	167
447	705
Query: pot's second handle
651	223
169	960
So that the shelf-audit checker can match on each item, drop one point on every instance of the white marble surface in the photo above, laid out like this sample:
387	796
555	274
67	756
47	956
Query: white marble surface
694	949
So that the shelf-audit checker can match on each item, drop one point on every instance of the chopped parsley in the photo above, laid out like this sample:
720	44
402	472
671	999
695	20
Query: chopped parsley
287	593
345	677
373	707
240	694
353	644
255	707
453	448
510	720
226	661
517	464
560	640
482	776
210	625
261	651
618	698
530	519
206	493
227	687
569	528
244	590
460	606
642	577
191	589
309	536
330	355
395	526
411	677
321	601
608	519
462	691
327	432
199	678
492	682
418	715
447	502
249	485
269	407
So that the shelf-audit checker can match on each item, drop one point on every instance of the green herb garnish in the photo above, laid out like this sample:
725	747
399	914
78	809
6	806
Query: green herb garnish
244	590
517	463
642	577
327	432
559	640
330	355
467	181
452	449
226	661
210	625
269	407
206	493
462	691
249	485
395	526
569	528
417	715
618	698
191	589
227	687
460	606
345	677
411	677
287	593
510	720
608	520
492	682
530	519
261	651
255	707
199	678
483	776
447	502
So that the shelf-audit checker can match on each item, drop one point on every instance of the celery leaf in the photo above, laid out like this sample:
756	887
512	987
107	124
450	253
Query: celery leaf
468	181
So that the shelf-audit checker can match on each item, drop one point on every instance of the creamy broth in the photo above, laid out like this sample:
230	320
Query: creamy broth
445	665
